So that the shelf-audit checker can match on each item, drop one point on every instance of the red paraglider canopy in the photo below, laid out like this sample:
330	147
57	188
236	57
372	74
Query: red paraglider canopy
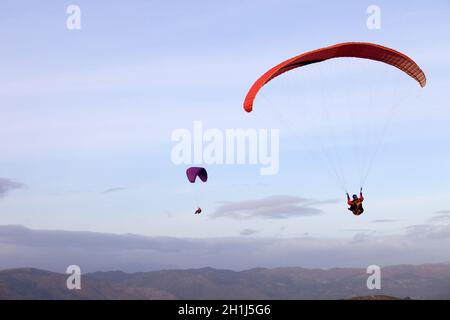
351	50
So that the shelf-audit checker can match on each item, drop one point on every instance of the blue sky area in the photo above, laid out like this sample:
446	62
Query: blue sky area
84	112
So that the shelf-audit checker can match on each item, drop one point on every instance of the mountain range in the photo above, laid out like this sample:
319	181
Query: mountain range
430	281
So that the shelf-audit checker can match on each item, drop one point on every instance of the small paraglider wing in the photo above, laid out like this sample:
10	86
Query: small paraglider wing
194	172
344	50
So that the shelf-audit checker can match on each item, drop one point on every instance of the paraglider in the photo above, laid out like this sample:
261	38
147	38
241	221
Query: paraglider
356	203
360	50
192	174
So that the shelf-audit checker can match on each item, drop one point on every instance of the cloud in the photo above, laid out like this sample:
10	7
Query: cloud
442	211
384	221
361	237
114	190
442	217
7	185
359	230
248	232
54	250
273	207
429	231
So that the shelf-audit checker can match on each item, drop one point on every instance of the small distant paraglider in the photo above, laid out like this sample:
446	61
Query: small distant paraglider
192	173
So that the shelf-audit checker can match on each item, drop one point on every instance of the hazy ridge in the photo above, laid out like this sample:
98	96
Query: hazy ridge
402	281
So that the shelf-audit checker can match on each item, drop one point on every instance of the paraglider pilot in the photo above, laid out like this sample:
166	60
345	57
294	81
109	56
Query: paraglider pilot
356	203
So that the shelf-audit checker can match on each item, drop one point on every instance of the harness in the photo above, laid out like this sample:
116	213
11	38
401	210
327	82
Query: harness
356	207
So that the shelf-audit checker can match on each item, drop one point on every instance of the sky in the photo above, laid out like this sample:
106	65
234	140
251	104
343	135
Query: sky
87	117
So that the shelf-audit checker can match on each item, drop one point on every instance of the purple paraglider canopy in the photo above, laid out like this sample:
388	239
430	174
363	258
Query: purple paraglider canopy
194	172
